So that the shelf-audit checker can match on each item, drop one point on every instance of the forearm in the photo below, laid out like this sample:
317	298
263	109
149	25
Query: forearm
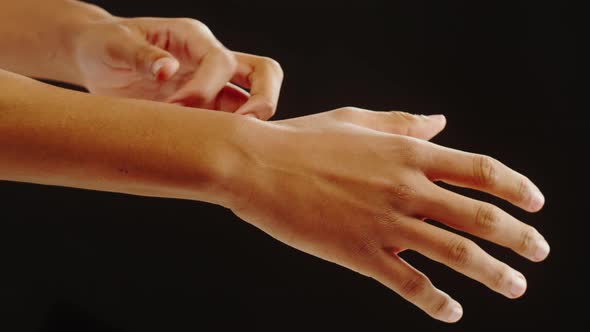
37	36
60	137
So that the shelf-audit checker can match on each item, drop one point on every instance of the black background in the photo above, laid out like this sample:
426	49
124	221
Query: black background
74	260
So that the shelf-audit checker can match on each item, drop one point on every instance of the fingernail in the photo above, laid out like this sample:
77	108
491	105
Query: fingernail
518	285
455	313
538	200
252	115
158	64
542	250
436	116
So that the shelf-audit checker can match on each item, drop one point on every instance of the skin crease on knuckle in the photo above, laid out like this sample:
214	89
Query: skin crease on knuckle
405	117
390	219
405	196
440	306
485	171
410	151
500	278
460	252
367	248
527	240
487	219
415	286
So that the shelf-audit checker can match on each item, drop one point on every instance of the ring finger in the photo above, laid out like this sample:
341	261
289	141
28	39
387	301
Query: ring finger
464	256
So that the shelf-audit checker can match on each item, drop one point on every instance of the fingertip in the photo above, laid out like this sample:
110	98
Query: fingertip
452	313
456	313
542	251
518	286
537	202
446	309
437	117
440	119
426	130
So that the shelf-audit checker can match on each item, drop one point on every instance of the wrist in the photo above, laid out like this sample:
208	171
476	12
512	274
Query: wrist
232	172
74	19
205	156
255	157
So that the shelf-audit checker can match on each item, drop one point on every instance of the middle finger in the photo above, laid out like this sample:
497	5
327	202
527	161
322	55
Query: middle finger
464	256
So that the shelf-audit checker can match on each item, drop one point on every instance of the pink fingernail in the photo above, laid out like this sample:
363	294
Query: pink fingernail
518	286
455	313
538	200
436	116
542	250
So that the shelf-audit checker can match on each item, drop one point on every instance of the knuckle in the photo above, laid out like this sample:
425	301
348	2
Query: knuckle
390	219
367	247
500	278
523	194
404	116
487	218
119	29
401	192
527	239
229	58
460	252
266	107
485	171
402	129
274	65
346	113
414	286
439	307
409	151
194	24
349	110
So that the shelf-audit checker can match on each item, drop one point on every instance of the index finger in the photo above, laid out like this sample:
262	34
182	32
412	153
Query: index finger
483	173
263	76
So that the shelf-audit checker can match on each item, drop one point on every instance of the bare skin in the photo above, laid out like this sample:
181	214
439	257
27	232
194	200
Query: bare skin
170	60
350	186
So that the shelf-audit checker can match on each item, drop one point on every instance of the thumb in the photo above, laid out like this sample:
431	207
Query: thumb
145	58
400	123
419	126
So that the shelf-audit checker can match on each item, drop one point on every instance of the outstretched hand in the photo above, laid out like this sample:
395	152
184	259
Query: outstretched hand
176	61
349	186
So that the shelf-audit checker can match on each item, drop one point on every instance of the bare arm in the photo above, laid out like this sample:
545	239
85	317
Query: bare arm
347	185
174	60
37	37
60	137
